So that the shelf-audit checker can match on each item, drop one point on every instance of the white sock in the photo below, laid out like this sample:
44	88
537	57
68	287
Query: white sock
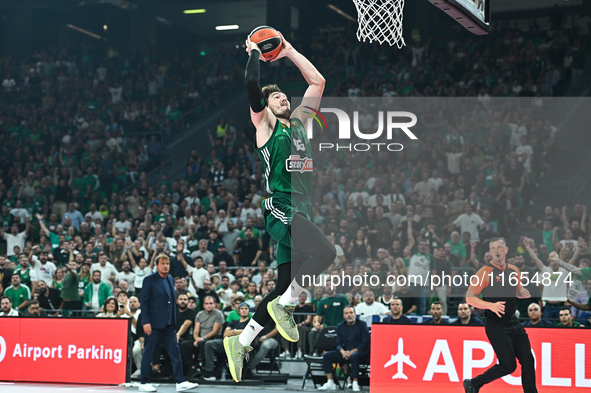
250	332
291	294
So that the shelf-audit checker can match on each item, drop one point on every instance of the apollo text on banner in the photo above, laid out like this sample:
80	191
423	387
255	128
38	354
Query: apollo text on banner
64	350
426	358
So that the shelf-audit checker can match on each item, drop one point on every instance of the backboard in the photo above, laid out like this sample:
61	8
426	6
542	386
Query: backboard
474	15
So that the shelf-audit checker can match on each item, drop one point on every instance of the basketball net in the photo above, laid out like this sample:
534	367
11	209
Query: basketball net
381	21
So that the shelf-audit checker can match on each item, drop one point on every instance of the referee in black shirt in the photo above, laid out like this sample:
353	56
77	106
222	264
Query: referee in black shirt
500	286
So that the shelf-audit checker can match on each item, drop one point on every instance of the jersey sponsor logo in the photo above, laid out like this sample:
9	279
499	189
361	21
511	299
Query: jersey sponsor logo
299	164
296	123
299	145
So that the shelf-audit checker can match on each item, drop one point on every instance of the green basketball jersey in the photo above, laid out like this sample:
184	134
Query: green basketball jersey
287	160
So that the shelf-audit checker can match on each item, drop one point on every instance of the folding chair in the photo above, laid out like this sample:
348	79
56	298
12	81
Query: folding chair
327	341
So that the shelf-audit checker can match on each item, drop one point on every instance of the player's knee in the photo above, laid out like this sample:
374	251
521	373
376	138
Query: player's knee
330	253
508	367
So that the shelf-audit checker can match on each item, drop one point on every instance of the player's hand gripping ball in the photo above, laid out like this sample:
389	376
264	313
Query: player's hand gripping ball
268	40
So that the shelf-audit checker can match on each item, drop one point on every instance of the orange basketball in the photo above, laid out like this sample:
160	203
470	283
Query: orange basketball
269	41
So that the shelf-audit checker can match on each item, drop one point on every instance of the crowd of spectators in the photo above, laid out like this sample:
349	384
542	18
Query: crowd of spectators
76	132
84	123
514	61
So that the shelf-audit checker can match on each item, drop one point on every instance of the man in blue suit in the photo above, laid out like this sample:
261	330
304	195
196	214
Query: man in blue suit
158	303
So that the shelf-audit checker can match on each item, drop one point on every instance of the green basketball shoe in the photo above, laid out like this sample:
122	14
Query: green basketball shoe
283	317
236	353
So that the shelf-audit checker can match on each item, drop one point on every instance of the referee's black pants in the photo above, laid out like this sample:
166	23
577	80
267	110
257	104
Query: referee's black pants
509	342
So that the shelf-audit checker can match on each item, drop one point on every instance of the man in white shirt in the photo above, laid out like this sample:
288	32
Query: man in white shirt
6	309
249	211
453	160
108	271
18	210
469	222
418	272
202	252
188	217
197	275
123	224
359	190
44	269
14	238
424	188
126	274
517	131
173	241
193	199
554	294
221	222
374	200
393	215
93	213
436	179
225	292
525	153
370	306
223	271
135	310
115	94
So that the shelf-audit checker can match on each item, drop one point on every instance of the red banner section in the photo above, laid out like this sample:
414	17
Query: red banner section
63	350
424	358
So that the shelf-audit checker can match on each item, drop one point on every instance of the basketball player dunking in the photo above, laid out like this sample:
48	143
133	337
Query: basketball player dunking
500	285
286	156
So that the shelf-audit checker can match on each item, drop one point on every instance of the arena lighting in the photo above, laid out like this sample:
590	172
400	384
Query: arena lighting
341	12
81	30
226	27
197	11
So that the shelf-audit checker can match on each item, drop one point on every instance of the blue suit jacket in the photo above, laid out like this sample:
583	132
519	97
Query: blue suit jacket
155	301
354	336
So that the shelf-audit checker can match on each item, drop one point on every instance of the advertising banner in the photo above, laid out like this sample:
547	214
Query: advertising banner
423	358
63	350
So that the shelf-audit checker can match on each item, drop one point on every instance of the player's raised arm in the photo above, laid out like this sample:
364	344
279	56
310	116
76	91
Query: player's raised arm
258	112
314	78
